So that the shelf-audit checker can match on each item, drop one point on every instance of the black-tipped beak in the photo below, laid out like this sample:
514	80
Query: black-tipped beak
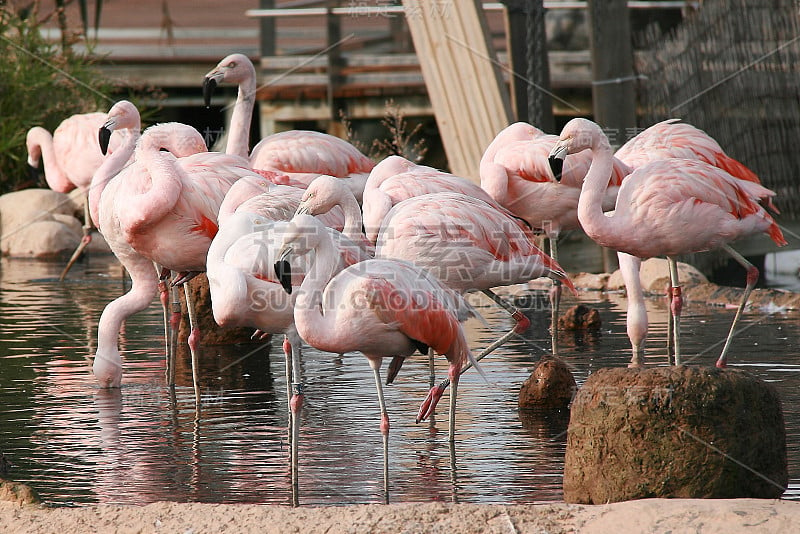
104	137
556	160
209	84
283	270
33	173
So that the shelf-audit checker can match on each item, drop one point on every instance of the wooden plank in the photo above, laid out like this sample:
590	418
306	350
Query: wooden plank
613	89
464	84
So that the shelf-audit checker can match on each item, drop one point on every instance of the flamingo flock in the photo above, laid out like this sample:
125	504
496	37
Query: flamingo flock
307	237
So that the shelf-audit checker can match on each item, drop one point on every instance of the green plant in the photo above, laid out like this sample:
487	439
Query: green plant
40	85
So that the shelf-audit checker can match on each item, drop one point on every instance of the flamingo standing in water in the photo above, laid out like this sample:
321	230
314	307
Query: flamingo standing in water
106	185
166	208
246	292
668	139
70	156
299	155
463	241
668	207
515	172
379	307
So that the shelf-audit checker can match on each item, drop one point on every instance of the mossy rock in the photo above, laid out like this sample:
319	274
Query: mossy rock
681	432
550	385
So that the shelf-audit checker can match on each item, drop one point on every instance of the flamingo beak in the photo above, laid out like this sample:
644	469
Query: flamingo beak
104	136
556	160
302	209
283	270
209	84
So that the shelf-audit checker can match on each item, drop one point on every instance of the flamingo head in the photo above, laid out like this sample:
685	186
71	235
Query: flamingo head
234	68
578	134
122	116
107	369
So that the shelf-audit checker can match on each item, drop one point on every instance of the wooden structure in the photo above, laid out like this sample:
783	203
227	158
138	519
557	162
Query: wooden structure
464	83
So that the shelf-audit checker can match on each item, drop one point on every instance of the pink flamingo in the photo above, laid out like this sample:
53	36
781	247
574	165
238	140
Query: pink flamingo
463	241
380	307
70	156
166	208
246	292
515	172
668	207
395	179
668	139
108	183
300	155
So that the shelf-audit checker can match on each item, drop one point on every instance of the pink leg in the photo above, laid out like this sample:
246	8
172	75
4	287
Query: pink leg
375	363
676	305
751	280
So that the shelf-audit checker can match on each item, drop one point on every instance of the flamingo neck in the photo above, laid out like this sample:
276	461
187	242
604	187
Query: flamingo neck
239	130
157	201
353	220
53	173
108	363
590	205
111	166
313	325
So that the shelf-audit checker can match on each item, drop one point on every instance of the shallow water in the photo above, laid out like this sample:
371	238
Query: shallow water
77	444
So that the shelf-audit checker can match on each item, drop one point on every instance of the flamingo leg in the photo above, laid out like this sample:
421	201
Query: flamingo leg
555	298
295	405
375	364
675	308
435	393
85	240
670	345
194	341
454	373
752	278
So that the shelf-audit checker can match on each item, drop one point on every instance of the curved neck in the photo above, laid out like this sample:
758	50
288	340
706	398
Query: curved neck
590	206
111	166
108	363
165	188
53	173
353	220
317	328
239	130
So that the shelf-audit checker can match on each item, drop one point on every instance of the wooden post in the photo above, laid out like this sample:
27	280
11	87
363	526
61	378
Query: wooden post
334	35
517	34
266	30
463	78
613	89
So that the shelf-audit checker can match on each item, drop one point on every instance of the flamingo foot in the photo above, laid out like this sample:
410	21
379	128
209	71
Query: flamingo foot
428	406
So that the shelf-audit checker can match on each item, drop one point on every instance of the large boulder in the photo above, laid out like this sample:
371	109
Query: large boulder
680	432
44	224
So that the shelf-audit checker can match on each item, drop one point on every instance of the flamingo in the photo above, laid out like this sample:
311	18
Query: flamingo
246	292
108	183
515	173
668	139
301	155
668	207
395	179
379	307
463	241
70	156
166	208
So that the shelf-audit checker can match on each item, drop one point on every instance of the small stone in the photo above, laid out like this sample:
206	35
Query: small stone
17	492
580	317
550	385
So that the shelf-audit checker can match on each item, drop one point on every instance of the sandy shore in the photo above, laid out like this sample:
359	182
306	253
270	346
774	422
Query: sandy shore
649	515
